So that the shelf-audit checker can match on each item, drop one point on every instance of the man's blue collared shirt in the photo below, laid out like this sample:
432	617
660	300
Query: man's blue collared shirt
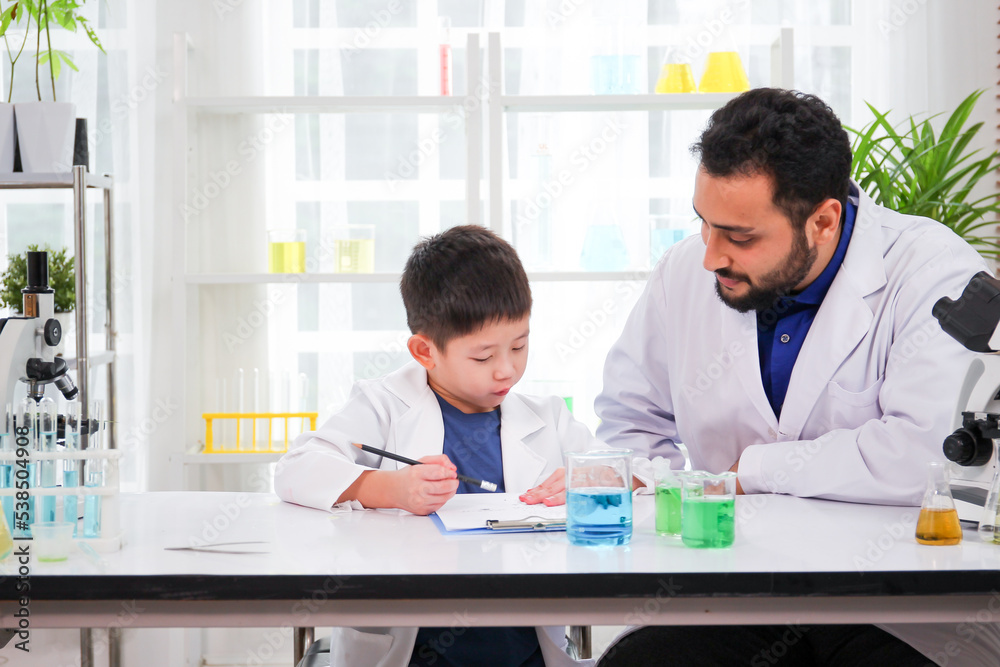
782	328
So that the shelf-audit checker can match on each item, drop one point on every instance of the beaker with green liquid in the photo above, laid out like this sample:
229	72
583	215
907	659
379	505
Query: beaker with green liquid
708	510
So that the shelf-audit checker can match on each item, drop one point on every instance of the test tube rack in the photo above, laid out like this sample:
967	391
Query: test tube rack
253	445
110	538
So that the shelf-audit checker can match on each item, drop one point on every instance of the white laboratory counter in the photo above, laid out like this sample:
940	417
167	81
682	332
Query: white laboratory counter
794	560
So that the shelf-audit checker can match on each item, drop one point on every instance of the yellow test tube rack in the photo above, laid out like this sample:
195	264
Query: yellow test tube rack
269	445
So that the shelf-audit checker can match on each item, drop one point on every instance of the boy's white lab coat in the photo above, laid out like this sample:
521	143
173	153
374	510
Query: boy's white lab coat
401	414
872	395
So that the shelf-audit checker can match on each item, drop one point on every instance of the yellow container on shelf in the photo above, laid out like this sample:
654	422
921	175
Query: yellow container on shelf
6	539
724	74
286	251
274	441
675	78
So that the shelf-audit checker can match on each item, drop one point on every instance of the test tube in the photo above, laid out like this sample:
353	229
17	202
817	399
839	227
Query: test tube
71	470
93	471
279	404
48	470
26	437
7	465
302	405
259	406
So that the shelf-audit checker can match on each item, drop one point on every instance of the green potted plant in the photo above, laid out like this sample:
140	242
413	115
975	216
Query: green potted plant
913	169
9	15
62	279
46	129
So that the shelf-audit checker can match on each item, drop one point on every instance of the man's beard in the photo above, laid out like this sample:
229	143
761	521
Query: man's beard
767	289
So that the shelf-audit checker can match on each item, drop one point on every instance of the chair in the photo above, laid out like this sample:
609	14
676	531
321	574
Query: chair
317	654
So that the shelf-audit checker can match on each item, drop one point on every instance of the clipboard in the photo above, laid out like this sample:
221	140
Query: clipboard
474	513
527	524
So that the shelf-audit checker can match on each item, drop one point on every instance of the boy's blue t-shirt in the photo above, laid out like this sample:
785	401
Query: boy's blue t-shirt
472	442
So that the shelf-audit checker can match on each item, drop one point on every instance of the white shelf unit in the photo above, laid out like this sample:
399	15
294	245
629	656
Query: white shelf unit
484	130
79	180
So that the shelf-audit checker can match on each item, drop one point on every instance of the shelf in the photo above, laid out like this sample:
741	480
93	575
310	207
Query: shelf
285	278
671	102
249	457
353	278
23	181
296	104
98	359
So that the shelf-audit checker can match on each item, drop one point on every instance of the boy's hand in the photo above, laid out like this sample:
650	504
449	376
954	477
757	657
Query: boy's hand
418	489
424	489
550	492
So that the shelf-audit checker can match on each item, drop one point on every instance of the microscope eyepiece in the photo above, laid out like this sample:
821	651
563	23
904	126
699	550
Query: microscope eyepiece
38	271
973	317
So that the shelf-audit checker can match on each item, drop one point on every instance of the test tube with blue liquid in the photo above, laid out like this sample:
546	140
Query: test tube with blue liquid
26	437
7	466
48	469
71	471
93	470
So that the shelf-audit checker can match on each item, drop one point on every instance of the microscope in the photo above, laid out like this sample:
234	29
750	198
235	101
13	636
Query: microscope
974	321
27	344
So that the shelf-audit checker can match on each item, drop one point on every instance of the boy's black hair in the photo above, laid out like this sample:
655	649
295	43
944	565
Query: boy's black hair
457	281
794	138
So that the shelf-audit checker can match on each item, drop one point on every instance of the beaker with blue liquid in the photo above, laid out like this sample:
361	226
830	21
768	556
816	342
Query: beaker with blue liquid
599	497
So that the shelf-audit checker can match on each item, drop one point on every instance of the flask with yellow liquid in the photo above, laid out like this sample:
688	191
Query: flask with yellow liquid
724	73
938	522
675	75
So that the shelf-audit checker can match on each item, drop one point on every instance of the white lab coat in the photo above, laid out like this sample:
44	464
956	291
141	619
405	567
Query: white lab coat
872	395
400	413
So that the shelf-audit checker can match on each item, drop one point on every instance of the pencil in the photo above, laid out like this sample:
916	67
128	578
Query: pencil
486	486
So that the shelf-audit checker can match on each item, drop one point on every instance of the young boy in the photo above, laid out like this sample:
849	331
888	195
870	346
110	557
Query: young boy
467	305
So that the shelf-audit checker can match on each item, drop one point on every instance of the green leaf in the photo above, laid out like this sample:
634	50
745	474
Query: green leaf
914	169
6	18
67	60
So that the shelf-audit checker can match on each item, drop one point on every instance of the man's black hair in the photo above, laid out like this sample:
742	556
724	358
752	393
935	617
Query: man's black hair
794	138
457	281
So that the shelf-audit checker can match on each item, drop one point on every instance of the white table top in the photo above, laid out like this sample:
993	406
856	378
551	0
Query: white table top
793	558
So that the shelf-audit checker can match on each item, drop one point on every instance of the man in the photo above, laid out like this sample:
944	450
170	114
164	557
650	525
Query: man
793	344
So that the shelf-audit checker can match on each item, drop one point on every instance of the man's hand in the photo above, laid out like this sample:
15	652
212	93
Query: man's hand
419	489
736	469
550	492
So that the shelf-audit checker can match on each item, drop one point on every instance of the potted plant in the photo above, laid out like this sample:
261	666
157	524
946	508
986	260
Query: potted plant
913	169
7	16
46	129
62	279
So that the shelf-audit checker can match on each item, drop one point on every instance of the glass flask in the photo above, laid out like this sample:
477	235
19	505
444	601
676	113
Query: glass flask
675	74
938	523
724	71
989	524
